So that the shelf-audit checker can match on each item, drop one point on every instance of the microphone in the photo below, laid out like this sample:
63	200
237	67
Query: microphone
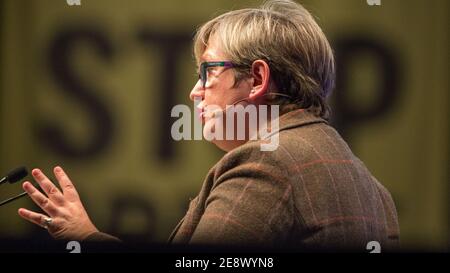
14	175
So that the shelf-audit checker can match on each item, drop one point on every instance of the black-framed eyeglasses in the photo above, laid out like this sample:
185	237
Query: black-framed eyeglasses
203	73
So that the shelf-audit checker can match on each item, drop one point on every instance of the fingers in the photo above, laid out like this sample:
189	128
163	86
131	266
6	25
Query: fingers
41	200
36	218
49	188
67	187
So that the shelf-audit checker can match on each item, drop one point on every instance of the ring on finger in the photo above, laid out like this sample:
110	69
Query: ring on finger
47	222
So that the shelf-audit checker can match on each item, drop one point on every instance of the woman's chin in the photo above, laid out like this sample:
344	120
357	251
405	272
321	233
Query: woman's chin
209	133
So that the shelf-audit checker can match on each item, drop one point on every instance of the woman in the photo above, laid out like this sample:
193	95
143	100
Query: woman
308	191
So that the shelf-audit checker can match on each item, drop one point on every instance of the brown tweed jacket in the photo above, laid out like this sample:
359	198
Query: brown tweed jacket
310	192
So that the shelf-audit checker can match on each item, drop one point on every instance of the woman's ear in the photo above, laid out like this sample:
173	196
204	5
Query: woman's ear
261	79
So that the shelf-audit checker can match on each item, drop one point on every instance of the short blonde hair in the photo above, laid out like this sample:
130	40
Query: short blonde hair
286	36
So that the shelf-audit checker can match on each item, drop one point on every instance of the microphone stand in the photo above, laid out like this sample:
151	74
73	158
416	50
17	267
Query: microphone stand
12	199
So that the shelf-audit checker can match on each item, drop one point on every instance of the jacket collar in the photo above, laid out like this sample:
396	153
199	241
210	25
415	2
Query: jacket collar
295	118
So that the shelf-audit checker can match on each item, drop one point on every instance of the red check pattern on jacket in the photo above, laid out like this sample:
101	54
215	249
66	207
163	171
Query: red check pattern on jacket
312	191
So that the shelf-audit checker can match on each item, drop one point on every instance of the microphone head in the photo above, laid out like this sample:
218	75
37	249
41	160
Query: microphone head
17	174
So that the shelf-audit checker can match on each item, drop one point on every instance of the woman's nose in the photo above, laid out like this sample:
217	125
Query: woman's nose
197	91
